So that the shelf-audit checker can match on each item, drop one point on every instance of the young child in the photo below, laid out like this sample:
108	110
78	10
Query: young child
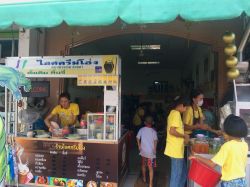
147	143
175	143
232	157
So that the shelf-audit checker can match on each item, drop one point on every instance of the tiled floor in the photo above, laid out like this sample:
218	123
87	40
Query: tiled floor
161	172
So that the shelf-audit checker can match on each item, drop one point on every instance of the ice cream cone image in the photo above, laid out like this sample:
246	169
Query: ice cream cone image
24	174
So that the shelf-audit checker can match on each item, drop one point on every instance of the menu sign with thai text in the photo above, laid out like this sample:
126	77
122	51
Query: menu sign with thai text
64	162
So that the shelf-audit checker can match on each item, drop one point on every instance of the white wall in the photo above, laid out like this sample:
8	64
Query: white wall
197	59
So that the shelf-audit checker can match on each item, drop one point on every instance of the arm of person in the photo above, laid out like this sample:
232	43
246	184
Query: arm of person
174	132
74	113
155	145
195	127
138	143
218	132
48	120
202	125
205	161
202	117
138	139
73	119
219	159
190	127
155	141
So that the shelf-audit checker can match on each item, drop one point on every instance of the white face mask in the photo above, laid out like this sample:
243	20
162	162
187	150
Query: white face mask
200	103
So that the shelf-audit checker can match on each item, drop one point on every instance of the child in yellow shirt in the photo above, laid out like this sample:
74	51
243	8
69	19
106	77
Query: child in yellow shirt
232	156
175	143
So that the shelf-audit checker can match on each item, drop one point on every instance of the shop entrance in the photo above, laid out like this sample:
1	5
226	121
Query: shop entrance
155	69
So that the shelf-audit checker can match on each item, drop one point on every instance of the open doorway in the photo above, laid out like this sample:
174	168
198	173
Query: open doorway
156	68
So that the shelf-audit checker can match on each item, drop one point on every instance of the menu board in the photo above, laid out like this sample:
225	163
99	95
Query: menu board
66	163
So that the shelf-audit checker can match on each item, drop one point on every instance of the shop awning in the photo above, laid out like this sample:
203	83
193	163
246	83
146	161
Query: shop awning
49	13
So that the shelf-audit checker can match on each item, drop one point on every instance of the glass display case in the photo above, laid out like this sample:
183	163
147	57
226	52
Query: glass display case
101	126
95	123
110	126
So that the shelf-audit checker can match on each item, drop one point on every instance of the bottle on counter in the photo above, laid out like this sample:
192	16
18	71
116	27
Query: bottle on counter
83	121
215	146
201	146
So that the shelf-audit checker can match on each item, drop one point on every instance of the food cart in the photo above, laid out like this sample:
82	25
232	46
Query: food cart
240	107
95	157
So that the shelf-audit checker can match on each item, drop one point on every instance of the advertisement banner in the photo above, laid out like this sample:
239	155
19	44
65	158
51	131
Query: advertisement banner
68	66
66	163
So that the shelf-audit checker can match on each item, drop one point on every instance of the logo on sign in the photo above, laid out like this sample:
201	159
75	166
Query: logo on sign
98	69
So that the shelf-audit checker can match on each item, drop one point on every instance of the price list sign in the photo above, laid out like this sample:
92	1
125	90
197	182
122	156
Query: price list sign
62	162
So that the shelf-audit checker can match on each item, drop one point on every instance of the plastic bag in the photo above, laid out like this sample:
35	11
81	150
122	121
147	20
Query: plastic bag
28	116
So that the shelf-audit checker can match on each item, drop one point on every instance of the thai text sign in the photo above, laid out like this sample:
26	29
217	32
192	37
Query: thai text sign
102	80
61	163
68	66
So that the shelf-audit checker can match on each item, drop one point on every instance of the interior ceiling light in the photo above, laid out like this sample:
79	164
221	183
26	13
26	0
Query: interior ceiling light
148	62
145	47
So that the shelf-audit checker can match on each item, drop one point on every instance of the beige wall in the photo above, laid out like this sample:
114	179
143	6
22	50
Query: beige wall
59	38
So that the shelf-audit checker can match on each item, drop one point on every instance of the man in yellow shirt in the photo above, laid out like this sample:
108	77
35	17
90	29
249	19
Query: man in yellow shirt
232	156
175	144
66	112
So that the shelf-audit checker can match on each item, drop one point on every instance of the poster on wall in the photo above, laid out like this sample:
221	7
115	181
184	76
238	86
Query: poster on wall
68	66
62	163
38	89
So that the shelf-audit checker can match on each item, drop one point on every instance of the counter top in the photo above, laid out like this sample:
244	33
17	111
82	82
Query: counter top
69	140
72	140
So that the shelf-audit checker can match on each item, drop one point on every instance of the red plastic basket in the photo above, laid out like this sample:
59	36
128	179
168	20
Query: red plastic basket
203	175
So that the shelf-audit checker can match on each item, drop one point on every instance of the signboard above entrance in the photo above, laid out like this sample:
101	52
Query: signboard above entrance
68	66
102	80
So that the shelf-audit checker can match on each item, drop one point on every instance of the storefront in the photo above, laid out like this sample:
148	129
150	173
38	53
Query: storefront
58	41
97	153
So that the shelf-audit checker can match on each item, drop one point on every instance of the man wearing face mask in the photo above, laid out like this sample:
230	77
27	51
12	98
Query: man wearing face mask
193	118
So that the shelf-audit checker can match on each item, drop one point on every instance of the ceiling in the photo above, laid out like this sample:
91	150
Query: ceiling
174	53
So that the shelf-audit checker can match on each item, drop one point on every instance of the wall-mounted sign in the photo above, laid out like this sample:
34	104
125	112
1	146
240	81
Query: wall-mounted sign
66	163
39	89
102	80
68	66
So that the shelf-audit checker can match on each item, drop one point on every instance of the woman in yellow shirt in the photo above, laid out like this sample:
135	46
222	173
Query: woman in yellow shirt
175	143
138	120
232	157
193	117
66	112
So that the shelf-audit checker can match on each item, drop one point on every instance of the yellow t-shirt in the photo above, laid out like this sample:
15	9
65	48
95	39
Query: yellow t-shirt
65	115
232	158
175	146
137	120
188	116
